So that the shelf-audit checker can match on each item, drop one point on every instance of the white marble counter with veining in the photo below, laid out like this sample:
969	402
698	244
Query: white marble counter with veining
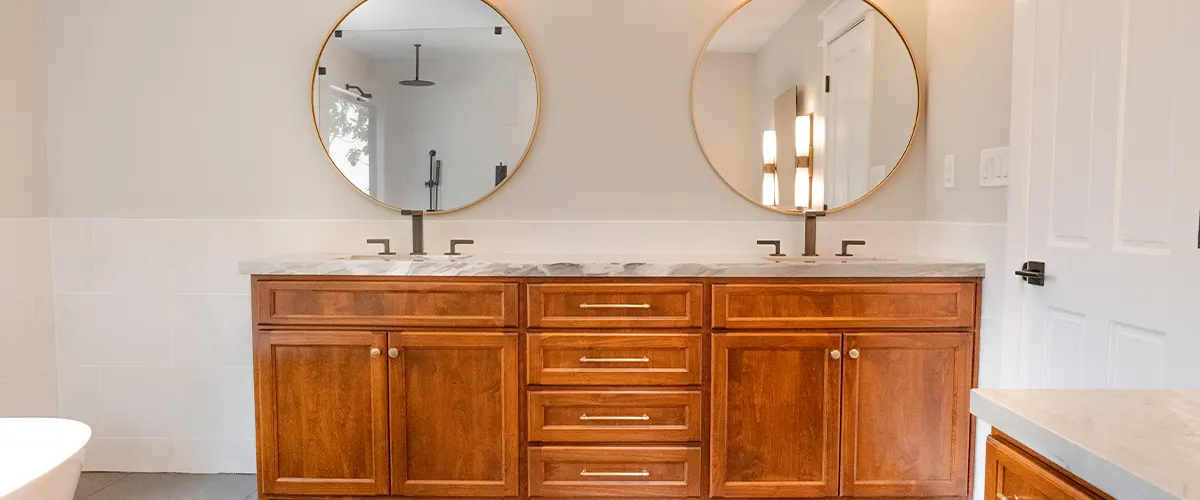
614	265
1130	444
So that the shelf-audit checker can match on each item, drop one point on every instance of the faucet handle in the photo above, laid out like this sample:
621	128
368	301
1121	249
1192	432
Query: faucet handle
414	213
778	251
454	243
814	213
387	245
846	244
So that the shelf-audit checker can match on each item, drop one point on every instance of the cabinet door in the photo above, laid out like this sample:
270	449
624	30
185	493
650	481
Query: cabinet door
322	412
454	414
775	415
1012	474
906	422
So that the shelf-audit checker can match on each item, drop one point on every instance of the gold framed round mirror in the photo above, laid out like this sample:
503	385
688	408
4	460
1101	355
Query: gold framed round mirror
804	105
429	105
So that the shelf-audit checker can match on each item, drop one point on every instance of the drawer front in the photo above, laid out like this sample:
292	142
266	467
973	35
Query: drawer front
371	303
616	472
867	305
1012	474
614	359
599	417
616	305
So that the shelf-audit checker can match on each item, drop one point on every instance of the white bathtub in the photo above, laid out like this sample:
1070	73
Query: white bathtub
41	458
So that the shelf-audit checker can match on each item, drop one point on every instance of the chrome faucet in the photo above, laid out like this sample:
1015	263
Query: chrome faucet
810	231
418	228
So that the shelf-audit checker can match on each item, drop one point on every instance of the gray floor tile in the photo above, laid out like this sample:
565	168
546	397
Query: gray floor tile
179	487
91	482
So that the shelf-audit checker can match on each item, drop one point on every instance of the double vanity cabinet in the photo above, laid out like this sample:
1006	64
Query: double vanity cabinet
641	387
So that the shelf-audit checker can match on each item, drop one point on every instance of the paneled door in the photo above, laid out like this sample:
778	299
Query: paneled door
775	404
453	414
905	417
1106	193
322	422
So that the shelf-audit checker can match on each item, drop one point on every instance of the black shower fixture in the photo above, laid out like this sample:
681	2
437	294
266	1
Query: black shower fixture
417	81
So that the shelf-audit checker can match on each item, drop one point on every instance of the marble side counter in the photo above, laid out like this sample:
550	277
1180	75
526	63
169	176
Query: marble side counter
1129	444
614	265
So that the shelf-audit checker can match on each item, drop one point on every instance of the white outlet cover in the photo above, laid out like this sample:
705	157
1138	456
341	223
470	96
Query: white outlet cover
948	172
993	167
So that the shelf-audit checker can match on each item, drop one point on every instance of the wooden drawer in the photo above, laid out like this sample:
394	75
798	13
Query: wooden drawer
616	305
613	416
866	305
381	303
1012	474
614	359
615	472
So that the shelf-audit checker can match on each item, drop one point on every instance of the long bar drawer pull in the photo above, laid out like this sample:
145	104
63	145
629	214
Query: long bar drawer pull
585	473
614	306
585	417
585	359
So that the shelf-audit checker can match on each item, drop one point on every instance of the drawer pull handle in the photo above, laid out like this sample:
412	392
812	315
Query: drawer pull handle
585	473
614	306
585	417
585	359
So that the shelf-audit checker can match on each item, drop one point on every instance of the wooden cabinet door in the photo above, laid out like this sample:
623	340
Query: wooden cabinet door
906	422
1013	474
454	414
322	412
775	415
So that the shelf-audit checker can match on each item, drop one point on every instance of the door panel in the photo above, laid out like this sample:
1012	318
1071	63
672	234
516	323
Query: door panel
454	414
775	403
322	403
906	422
1105	194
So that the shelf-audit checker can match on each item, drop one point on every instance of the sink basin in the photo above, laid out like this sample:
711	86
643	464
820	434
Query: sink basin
828	259
409	258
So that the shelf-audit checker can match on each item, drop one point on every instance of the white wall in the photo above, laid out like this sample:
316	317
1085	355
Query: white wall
28	382
179	141
480	112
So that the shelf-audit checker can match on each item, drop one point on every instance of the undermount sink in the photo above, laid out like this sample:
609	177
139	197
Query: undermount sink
410	258
828	259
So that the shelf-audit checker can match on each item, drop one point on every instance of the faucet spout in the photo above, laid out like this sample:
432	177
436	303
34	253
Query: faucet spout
810	231
418	230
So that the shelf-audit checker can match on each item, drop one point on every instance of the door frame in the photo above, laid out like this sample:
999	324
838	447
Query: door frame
1014	337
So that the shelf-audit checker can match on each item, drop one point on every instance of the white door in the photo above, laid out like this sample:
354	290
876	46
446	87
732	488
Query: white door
849	100
1106	192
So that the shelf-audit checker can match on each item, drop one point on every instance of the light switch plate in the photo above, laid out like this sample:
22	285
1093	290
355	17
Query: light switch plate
993	167
948	172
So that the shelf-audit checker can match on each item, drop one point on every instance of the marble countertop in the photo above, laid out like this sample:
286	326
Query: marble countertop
1129	444
614	265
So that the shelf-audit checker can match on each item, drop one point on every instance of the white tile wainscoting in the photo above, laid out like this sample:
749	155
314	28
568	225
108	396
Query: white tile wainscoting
28	382
153	319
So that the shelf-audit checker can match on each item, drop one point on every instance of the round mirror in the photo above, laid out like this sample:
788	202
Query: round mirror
425	104
806	104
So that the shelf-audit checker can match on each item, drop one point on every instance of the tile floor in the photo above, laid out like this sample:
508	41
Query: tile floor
124	486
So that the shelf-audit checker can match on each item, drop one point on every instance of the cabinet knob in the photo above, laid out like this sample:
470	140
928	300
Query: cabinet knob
375	352
393	353
853	353
835	354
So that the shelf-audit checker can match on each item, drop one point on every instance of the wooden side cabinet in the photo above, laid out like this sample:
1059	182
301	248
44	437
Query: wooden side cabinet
775	404
322	413
454	414
905	416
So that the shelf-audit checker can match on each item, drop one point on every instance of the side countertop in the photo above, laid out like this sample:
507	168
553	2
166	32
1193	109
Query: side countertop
616	266
1129	444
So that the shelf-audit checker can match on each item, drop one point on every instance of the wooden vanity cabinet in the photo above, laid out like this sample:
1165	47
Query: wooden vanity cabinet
573	388
1015	473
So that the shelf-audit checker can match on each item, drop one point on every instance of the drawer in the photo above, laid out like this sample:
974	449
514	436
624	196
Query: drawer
1013	474
599	417
864	305
614	359
617	472
379	303
616	305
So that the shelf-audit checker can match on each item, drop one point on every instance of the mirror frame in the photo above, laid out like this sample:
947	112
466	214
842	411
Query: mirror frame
537	114
908	148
